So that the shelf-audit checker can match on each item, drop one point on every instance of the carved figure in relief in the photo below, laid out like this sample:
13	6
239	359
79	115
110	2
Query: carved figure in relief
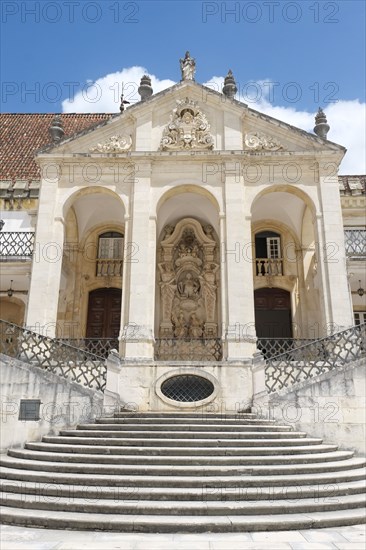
209	287
189	287
180	326
167	287
195	326
187	67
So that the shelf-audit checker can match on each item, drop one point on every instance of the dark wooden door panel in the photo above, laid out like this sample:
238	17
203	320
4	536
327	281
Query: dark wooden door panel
104	313
273	313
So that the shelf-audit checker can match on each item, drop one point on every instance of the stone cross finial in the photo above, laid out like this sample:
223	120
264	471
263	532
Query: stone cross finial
321	127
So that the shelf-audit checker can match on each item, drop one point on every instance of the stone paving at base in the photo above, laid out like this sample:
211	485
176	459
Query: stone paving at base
336	538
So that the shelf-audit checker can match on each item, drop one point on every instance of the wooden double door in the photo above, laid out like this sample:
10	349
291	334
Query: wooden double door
273	313
104	313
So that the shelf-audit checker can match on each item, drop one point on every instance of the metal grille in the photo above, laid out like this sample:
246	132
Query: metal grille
16	245
187	388
355	242
188	349
270	347
315	358
53	355
98	346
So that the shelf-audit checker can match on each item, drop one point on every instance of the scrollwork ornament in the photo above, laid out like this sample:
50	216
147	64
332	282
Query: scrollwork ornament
114	144
261	142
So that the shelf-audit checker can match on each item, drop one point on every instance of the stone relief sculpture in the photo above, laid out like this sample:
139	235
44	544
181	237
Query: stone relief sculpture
188	282
114	144
261	142
188	128
187	67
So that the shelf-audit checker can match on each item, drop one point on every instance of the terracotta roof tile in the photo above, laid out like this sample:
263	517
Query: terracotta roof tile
21	135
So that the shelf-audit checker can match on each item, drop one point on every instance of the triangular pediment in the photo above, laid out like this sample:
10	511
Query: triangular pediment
190	116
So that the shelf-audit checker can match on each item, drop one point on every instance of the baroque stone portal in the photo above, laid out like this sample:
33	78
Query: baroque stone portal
188	266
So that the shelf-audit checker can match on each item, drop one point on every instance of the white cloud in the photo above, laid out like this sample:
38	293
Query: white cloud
103	95
346	118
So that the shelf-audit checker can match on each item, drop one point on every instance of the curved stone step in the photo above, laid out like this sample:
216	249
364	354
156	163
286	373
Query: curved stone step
227	493
181	461
187	524
180	508
163	442
111	432
186	428
181	415
178	451
181	471
52	476
181	420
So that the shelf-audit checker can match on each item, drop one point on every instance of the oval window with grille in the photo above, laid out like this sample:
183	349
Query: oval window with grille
187	388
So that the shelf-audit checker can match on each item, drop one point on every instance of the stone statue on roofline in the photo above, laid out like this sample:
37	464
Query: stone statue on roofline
187	67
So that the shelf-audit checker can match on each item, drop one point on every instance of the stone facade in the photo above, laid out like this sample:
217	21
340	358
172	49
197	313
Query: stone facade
223	213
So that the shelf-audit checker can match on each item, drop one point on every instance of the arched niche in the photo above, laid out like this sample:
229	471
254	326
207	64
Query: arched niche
188	266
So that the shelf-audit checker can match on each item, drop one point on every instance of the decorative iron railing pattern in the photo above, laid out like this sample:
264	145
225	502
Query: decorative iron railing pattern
315	358
355	242
97	346
268	266
53	355
16	245
270	347
109	268
188	349
187	388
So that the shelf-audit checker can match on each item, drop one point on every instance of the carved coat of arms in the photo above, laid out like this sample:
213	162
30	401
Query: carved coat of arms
188	128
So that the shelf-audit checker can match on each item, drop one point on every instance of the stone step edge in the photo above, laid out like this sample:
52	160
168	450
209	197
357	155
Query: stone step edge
157	508
226	494
161	442
191	524
182	414
179	481
254	470
183	436
138	459
124	450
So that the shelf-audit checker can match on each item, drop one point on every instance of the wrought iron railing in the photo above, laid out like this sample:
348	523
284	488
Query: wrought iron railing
109	268
268	266
98	346
53	355
270	347
16	245
188	349
315	358
355	242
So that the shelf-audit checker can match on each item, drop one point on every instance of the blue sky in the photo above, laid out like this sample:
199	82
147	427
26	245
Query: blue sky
314	52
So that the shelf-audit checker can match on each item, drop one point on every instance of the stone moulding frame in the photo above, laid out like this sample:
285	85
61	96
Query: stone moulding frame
182	371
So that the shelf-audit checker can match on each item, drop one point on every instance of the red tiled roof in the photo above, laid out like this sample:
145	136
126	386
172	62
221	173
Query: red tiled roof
21	135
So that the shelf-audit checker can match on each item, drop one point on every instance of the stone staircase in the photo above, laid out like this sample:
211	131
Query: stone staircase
182	472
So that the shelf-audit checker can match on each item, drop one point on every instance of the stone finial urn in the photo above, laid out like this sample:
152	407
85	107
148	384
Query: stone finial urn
321	127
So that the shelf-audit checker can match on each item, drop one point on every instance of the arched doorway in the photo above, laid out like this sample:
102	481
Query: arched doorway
104	316
273	313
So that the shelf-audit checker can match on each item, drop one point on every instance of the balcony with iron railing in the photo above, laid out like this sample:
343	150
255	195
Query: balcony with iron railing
355	243
16	246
